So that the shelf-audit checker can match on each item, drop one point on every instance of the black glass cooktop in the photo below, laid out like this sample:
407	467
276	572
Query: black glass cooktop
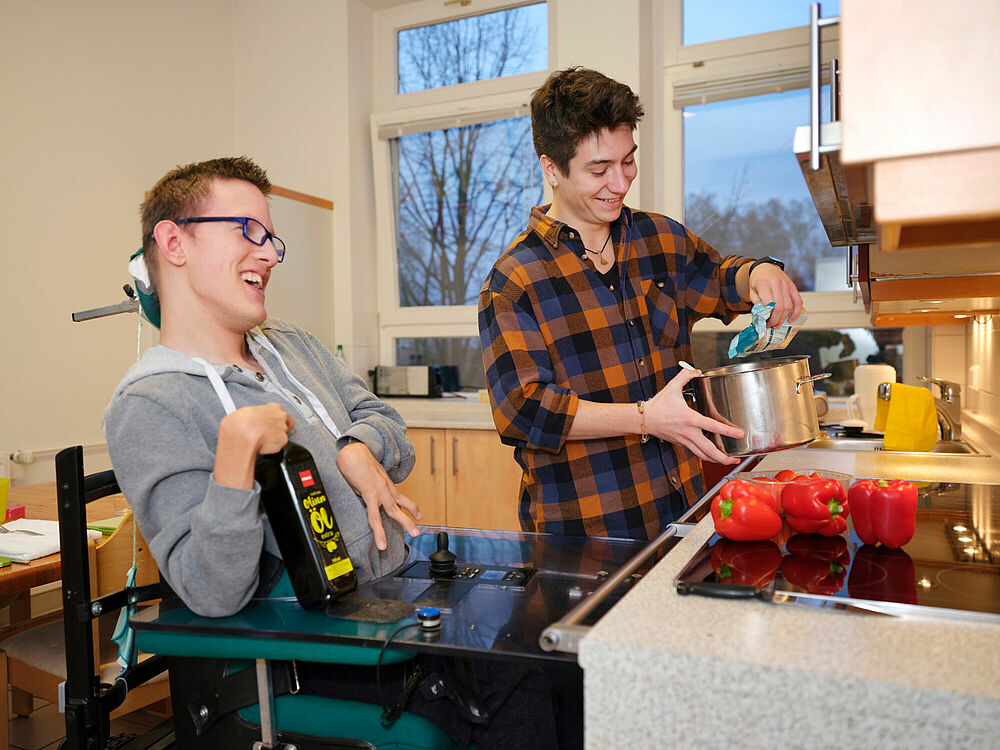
950	568
506	588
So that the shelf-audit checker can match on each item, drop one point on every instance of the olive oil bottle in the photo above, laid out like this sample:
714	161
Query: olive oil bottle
304	525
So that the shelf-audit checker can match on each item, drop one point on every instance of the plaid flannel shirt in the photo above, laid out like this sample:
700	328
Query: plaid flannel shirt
552	332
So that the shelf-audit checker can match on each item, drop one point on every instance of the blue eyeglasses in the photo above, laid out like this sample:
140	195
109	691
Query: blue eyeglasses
253	230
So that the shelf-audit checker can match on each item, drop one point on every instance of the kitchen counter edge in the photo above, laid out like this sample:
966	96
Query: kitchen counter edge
746	673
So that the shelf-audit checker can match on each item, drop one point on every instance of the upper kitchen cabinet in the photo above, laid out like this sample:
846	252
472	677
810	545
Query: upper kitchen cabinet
920	114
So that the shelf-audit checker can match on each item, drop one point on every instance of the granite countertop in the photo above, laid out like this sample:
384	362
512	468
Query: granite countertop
669	670
461	412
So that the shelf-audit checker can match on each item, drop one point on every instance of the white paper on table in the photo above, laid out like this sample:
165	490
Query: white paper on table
22	548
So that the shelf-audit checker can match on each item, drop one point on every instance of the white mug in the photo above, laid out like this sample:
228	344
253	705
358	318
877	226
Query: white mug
862	405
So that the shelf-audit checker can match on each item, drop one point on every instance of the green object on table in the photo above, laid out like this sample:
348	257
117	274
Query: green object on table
108	526
4	562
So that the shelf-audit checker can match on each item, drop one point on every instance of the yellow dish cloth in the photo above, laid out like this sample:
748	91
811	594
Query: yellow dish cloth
910	421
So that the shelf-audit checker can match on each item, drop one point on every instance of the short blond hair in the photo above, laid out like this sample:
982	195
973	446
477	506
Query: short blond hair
181	191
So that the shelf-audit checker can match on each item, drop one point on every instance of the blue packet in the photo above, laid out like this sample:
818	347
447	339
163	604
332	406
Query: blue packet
757	337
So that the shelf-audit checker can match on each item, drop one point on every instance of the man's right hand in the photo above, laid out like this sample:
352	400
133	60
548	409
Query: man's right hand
245	434
668	416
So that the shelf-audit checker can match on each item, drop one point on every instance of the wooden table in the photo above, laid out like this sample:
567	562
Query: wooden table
17	579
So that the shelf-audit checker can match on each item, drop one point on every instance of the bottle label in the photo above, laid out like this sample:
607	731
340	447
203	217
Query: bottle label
326	536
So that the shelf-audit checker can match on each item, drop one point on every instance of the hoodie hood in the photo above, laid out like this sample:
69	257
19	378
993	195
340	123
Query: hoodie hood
158	360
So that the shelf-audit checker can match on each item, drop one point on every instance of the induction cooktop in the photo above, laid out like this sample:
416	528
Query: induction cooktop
951	567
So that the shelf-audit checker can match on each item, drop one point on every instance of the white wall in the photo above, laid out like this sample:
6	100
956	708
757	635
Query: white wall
97	100
982	392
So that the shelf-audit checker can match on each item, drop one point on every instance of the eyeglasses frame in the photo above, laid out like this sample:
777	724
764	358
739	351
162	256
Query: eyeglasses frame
244	221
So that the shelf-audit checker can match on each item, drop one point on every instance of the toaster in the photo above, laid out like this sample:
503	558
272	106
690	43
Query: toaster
411	380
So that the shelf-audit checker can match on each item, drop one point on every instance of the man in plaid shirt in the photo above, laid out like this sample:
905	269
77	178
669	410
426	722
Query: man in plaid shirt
584	319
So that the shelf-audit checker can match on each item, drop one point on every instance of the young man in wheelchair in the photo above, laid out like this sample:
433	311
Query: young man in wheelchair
226	384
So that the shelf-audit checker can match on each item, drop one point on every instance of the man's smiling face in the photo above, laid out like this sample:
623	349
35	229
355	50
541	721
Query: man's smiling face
600	175
227	273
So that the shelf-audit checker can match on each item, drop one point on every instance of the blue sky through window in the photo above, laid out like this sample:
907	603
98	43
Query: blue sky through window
747	141
475	48
712	20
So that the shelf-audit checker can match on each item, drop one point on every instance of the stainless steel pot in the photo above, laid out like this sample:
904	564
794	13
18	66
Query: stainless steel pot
771	399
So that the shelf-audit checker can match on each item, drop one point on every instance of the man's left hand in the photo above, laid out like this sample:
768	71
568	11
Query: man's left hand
367	478
768	283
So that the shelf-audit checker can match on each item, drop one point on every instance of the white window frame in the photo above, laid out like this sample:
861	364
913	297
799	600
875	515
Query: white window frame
398	114
737	68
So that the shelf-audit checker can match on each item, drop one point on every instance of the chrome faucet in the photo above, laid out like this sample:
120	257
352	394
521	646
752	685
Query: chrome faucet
949	407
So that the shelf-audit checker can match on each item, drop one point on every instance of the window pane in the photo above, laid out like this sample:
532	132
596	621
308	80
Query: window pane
744	192
463	352
837	352
712	20
475	48
462	195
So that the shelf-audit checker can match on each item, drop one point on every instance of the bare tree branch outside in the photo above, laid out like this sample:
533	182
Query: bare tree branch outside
462	193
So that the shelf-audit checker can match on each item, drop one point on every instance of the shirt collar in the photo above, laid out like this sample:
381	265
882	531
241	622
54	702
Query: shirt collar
550	229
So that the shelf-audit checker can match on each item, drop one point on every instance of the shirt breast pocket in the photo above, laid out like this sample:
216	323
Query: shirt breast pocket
661	310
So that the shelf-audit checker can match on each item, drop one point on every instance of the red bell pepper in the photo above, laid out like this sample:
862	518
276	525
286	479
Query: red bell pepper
744	512
746	563
816	564
884	575
884	511
783	534
815	506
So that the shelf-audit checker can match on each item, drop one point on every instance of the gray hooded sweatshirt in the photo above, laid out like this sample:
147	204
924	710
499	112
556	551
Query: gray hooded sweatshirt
162	426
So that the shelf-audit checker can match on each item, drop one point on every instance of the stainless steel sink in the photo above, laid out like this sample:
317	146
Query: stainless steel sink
955	447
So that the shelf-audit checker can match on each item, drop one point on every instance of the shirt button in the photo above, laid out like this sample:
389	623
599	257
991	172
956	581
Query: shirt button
583	257
631	322
611	287
659	284
296	399
675	481
571	235
237	368
259	376
642	362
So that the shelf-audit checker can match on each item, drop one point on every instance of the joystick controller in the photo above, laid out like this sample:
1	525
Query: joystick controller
443	560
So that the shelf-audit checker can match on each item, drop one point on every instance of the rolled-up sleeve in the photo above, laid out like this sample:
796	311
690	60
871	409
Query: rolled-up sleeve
528	408
710	281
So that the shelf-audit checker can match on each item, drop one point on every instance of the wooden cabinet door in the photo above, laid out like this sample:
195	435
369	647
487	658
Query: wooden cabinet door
426	484
909	84
483	481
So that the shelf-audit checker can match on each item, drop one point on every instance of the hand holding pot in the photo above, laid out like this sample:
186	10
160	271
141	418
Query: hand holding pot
668	416
771	399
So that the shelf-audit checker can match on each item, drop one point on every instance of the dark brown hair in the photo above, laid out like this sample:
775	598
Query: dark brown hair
575	103
180	192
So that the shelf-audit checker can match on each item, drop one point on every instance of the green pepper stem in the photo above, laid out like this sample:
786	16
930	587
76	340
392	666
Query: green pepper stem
726	508
835	508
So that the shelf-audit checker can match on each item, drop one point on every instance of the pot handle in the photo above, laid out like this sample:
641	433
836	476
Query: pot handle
812	379
691	398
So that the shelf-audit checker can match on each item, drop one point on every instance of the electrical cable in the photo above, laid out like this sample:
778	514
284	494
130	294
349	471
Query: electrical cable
378	667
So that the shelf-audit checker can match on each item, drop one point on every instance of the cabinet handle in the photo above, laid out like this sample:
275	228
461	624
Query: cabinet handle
834	89
432	455
853	272
454	455
815	24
